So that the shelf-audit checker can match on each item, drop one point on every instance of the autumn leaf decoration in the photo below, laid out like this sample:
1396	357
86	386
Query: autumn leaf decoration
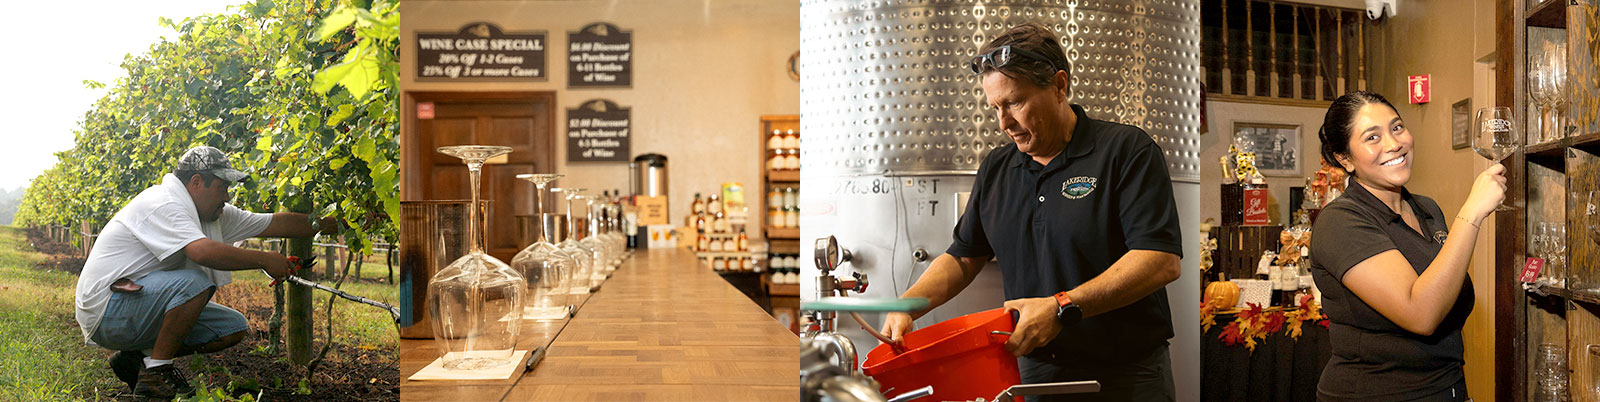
1255	323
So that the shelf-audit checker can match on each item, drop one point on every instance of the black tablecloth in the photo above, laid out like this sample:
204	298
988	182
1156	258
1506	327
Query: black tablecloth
1282	369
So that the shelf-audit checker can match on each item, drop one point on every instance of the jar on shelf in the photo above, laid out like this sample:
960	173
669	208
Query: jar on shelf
792	160
791	140
775	198
776	162
775	217
791	197
791	217
776	140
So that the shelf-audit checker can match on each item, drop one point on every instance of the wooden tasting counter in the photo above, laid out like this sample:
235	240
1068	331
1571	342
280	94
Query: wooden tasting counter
663	327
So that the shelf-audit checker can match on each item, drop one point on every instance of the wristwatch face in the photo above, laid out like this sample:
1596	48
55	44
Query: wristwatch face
1069	314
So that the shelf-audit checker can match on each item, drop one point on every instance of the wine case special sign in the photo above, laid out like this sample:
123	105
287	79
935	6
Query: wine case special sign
598	131
480	51
600	55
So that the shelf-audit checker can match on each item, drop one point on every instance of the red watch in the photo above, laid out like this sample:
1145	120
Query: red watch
1067	312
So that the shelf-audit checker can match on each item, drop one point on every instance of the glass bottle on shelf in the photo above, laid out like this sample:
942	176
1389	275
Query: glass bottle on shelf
476	302
791	197
775	197
791	217
700	224
702	243
721	225
743	241
699	205
547	269
581	282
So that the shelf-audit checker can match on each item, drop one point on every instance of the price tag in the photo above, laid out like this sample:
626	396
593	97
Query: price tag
1531	270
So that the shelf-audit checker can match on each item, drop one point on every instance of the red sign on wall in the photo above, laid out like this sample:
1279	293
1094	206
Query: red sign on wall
1418	87
424	110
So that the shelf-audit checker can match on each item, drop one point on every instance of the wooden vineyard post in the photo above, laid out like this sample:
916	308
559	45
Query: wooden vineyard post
297	306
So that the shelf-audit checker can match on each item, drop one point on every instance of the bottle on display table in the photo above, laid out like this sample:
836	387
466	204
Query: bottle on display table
743	242
700	223
699	205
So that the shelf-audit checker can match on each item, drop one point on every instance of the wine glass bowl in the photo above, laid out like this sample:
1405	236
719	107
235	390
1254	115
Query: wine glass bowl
1496	137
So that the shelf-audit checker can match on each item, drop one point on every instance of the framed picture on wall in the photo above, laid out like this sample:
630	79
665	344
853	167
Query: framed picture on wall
1461	124
1277	146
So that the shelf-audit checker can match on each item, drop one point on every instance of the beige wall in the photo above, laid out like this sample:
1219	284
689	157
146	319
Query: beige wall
704	73
1445	38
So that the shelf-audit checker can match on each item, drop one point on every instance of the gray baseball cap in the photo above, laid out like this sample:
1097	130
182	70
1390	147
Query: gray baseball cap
211	160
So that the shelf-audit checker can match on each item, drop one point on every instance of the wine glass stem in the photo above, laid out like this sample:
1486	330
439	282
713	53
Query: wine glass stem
475	169
538	212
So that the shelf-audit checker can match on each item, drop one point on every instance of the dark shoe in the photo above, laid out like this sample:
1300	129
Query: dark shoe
164	381
126	365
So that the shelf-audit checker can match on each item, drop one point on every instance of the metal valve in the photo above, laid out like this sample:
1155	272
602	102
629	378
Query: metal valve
859	285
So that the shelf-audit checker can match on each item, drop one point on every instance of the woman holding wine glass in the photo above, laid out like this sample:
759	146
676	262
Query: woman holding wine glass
1391	265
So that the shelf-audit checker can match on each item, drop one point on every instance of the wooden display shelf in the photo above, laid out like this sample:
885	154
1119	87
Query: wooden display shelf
1588	296
783	233
783	289
1548	14
772	179
783	176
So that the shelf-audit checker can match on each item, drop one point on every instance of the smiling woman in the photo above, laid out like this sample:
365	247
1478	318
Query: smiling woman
1391	265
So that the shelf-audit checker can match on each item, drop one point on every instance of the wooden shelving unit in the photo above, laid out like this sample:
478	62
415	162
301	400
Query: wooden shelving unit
785	298
1550	182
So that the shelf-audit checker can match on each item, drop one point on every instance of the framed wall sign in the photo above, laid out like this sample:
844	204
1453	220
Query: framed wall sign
480	51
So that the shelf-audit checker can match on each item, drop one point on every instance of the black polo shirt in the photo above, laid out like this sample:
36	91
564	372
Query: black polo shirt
1374	358
1054	227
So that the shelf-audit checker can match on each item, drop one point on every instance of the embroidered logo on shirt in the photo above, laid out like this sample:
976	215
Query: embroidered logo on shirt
1077	187
1440	236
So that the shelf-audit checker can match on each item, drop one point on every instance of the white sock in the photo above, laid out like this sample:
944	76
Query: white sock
151	363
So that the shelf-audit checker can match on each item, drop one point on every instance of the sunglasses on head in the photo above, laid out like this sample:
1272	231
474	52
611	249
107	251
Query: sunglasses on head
1003	56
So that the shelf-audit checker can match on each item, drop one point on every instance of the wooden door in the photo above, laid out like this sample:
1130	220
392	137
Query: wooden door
524	121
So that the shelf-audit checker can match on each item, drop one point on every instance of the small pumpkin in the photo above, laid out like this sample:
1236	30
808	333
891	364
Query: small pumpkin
1222	295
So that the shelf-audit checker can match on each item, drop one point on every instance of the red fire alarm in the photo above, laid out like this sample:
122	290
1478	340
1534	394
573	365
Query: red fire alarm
424	110
1418	88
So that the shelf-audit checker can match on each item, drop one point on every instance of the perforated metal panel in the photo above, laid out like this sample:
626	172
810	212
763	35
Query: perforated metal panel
884	84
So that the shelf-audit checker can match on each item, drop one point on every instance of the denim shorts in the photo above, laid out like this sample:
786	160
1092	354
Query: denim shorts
132	320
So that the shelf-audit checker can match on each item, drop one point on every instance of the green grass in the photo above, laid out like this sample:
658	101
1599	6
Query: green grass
43	356
42	353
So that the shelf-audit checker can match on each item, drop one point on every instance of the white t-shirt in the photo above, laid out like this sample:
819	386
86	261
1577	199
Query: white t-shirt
148	235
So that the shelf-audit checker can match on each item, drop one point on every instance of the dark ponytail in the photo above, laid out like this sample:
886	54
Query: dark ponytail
1336	125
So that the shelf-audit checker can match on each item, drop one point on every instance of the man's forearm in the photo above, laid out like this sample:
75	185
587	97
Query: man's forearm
224	257
1136	275
293	224
945	278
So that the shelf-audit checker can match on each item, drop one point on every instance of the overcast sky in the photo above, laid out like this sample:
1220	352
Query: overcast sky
51	48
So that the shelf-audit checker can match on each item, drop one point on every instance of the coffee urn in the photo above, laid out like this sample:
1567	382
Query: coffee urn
648	178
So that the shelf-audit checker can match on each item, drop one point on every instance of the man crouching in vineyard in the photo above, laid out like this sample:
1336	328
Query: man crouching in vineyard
146	288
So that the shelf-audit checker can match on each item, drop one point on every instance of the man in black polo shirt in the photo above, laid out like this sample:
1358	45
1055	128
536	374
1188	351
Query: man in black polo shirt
1080	215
